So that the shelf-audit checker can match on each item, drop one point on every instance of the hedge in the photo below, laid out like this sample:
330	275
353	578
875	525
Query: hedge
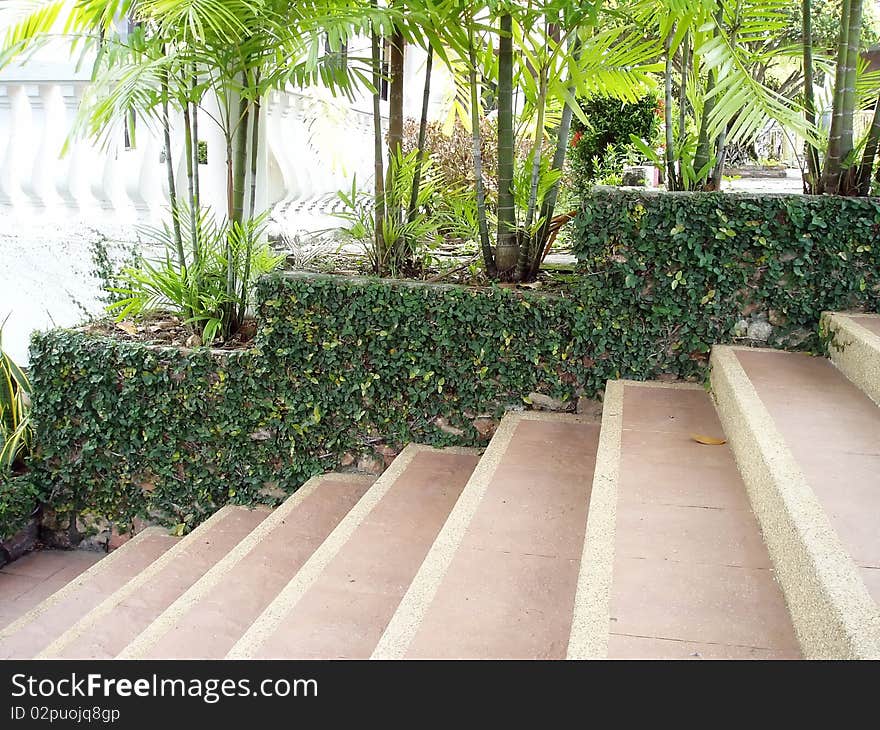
19	498
600	148
342	366
690	265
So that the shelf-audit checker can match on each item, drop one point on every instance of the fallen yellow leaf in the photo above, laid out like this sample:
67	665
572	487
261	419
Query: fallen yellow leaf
708	440
127	327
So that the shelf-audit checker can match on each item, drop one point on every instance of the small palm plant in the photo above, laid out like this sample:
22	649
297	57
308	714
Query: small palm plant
211	287
16	433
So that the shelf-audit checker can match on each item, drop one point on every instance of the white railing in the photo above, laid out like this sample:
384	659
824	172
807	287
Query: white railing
314	147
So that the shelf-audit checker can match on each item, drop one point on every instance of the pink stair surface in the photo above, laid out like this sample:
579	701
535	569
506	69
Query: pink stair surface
104	634
691	576
509	589
345	611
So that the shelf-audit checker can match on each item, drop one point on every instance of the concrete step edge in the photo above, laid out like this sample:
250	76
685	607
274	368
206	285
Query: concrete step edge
272	617
832	612
855	350
77	583
163	623
592	602
104	609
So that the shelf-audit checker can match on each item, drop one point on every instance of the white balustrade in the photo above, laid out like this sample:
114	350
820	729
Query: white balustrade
314	145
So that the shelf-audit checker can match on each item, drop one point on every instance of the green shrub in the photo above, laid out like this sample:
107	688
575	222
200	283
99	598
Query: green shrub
689	264
15	423
600	148
19	498
210	288
340	365
452	152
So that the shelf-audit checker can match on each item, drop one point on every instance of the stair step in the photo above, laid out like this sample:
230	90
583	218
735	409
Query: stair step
807	442
341	600
685	572
209	618
32	632
500	579
854	347
32	578
109	627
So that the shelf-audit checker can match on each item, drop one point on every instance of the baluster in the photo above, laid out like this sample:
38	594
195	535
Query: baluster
8	121
69	183
30	114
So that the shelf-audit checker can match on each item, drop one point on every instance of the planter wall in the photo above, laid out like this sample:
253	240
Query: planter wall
344	371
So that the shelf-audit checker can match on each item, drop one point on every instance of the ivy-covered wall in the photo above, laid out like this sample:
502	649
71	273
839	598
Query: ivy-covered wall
341	367
691	269
344	367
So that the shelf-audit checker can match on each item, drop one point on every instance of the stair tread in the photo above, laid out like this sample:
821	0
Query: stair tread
691	575
345	610
29	580
833	431
508	591
870	322
209	626
109	628
33	631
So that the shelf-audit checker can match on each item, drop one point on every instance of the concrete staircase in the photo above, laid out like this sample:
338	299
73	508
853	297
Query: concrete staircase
741	524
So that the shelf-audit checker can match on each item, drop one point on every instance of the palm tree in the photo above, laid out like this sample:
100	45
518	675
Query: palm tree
181	51
716	45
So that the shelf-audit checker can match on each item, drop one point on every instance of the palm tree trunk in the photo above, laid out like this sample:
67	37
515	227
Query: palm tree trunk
812	154
169	169
682	90
721	142
853	38
255	141
672	183
525	249
423	130
870	154
195	133
549	205
190	180
378	152
830	181
252	206
240	159
702	158
476	151
506	250
393	205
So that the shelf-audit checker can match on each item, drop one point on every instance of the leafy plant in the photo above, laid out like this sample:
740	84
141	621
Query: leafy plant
405	243
600	145
225	258
16	430
341	362
19	498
